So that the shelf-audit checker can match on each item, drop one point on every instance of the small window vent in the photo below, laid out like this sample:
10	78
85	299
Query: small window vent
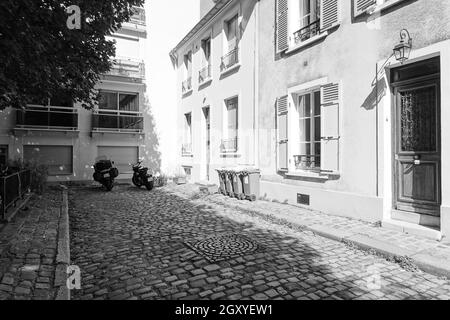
303	199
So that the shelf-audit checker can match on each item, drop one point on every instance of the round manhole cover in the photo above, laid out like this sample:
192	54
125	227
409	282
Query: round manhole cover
223	247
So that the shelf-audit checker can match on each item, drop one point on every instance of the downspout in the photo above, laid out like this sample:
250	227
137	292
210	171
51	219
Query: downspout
255	89
377	133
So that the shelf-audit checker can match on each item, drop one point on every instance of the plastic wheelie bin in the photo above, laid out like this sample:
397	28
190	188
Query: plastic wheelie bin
222	187
238	188
250	179
229	183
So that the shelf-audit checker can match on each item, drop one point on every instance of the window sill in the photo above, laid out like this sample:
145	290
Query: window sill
379	8
187	155
307	42
225	72
312	175
205	82
188	92
231	154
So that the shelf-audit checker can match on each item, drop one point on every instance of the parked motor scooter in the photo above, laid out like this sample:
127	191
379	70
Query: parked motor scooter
141	177
105	172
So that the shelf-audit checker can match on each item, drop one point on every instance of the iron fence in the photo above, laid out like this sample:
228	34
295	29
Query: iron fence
229	145
13	188
307	32
204	74
307	162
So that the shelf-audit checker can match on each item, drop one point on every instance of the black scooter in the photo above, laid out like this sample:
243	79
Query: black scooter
141	177
105	172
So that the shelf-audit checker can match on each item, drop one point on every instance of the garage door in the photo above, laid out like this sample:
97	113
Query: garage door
122	156
59	159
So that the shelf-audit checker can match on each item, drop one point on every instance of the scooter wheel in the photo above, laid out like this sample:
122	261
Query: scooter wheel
136	182
109	185
149	186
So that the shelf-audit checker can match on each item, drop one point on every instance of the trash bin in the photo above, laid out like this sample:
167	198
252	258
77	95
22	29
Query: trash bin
238	188
222	188
250	180
229	182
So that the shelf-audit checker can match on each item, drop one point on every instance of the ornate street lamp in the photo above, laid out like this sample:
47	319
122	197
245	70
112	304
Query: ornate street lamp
403	49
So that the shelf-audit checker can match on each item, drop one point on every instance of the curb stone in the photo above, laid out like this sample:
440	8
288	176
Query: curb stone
63	255
423	261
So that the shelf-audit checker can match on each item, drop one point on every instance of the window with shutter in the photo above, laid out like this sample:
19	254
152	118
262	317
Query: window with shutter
360	6
330	128
329	14
282	33
282	133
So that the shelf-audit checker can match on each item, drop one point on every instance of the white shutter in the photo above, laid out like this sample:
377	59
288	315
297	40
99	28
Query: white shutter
282	26
330	128
329	14
360	6
282	134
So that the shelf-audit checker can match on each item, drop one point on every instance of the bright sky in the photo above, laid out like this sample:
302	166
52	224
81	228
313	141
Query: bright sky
168	21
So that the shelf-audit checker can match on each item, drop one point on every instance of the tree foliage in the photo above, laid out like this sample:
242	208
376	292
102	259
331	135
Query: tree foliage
41	57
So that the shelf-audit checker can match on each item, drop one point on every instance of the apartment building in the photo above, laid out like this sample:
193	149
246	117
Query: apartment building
216	66
357	130
67	137
344	124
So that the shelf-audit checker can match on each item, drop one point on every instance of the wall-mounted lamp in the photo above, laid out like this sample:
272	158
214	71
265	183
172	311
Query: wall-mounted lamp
403	49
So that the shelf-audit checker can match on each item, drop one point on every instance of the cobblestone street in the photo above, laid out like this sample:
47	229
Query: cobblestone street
135	244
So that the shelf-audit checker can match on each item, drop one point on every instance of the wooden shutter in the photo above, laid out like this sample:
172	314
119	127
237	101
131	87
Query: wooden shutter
330	94
329	14
282	26
360	6
282	134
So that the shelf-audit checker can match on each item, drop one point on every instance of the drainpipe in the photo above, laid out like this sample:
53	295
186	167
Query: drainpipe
376	133
256	89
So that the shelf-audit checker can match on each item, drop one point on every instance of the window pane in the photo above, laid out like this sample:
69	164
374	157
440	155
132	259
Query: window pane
61	99
128	102
305	106
232	32
317	129
305	149
305	130
108	100
232	117
317	106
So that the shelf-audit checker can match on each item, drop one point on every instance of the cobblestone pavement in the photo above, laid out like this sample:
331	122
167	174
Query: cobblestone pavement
131	244
28	247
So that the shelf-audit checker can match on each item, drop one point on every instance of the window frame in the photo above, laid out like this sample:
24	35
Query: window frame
118	111
187	133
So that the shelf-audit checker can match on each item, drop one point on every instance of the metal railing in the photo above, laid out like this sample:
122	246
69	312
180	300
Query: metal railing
139	16
13	188
47	117
186	149
126	67
204	74
307	162
106	121
307	32
186	86
230	59
229	145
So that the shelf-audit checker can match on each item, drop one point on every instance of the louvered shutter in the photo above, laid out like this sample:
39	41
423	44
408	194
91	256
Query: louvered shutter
330	94
329	14
360	6
282	133
282	26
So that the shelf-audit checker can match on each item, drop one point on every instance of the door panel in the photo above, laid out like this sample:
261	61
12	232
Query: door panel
417	148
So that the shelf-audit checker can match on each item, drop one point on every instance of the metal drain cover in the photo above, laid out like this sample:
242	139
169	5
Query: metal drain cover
223	247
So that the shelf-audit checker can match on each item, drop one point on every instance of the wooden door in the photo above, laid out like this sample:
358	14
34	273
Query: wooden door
418	148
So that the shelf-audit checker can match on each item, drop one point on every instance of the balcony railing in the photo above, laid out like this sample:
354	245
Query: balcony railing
187	85
139	16
106	121
125	67
307	162
204	74
47	118
307	32
230	59
229	145
186	149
